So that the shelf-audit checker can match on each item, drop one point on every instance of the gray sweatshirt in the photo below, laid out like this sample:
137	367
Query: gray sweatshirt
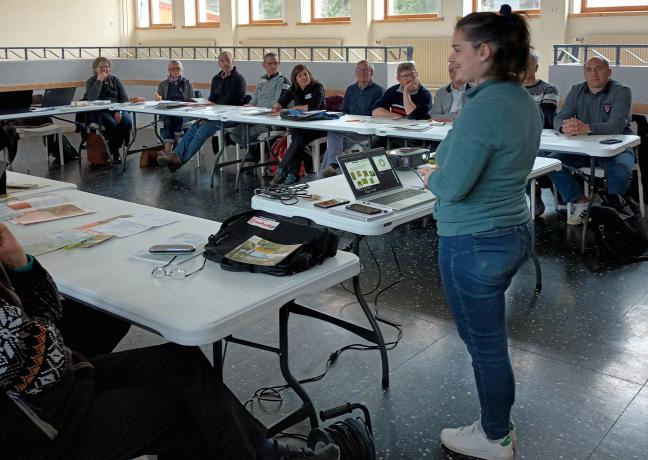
269	89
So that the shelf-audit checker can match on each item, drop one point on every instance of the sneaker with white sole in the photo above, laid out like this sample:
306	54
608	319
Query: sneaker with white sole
577	213
471	440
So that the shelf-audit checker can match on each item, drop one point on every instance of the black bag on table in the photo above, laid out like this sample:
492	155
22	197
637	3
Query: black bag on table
620	233
317	244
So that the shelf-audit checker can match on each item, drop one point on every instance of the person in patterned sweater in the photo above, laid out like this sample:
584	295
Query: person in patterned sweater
58	404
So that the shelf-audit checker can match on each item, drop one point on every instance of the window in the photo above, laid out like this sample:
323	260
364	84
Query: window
526	6
396	9
267	11
330	10
207	11
602	6
154	13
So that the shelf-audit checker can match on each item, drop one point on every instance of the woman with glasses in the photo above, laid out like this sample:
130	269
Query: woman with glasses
175	88
305	93
483	220
105	86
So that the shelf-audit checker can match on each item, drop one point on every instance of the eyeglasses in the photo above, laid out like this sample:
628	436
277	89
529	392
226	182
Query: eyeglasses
174	271
362	69
407	75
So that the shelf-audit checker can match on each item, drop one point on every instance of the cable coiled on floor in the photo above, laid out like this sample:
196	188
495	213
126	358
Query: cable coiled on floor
354	436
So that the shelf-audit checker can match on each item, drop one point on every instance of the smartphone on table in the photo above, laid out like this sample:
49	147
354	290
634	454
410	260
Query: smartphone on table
172	248
364	209
331	203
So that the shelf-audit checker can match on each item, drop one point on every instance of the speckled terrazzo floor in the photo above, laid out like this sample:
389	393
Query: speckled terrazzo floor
580	352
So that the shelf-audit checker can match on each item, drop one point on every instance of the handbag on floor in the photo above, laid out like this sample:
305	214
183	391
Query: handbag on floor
97	148
619	231
316	244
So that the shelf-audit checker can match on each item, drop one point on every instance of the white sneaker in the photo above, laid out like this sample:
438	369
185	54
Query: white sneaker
471	440
577	215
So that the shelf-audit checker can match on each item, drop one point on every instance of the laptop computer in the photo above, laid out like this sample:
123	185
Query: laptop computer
58	96
15	101
374	181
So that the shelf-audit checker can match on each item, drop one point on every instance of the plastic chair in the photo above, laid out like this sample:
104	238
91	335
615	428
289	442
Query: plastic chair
26	132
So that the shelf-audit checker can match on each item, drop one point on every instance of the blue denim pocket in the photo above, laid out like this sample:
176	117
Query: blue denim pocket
501	251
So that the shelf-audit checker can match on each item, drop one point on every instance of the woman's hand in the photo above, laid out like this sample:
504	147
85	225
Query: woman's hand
425	171
103	74
276	107
118	117
301	107
137	99
12	255
157	96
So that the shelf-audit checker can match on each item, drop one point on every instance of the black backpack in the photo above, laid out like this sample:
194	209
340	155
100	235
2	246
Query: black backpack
620	233
69	152
317	244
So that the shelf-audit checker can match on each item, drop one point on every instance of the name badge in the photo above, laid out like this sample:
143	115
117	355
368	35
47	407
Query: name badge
308	96
607	108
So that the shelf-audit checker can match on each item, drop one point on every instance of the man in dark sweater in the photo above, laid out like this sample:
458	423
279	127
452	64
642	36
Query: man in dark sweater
408	99
56	403
227	88
599	105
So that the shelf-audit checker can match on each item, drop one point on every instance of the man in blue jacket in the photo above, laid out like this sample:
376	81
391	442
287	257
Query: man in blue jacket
359	99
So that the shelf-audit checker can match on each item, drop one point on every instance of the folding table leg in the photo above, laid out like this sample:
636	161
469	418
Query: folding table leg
590	202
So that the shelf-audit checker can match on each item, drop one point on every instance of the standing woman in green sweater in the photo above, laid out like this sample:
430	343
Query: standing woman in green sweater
482	217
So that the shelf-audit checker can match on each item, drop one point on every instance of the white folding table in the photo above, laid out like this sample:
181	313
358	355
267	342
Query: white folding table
43	185
204	308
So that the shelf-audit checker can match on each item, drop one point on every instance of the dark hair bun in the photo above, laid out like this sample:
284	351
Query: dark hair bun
505	10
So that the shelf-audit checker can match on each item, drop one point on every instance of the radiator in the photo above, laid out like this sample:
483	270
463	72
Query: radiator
629	55
431	56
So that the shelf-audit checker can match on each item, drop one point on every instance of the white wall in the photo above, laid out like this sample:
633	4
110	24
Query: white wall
32	23
112	22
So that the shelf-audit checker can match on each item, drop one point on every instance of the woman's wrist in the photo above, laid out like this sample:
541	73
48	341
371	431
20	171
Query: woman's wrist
19	262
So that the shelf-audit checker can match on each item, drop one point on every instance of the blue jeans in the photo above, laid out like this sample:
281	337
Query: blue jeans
476	270
193	139
171	127
336	143
618	172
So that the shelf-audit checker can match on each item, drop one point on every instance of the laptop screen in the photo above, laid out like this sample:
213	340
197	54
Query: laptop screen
369	172
15	101
58	96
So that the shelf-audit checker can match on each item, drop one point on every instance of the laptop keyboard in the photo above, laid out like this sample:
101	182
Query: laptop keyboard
398	196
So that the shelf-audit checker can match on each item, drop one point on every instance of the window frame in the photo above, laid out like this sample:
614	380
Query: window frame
530	12
206	24
336	19
392	17
253	21
151	25
611	9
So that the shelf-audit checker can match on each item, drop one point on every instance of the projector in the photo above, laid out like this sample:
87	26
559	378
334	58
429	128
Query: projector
408	157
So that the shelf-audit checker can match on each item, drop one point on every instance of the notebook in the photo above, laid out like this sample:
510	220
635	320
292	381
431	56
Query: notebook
374	181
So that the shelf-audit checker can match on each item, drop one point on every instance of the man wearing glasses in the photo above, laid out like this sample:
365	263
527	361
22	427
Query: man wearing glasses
359	99
270	87
408	99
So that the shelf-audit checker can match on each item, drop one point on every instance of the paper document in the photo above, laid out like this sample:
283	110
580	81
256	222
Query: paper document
153	219
412	127
22	186
257	251
42	201
59	211
6	213
120	228
54	241
40	109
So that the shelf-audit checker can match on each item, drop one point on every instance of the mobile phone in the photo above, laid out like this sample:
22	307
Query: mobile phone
331	203
610	141
364	209
172	248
